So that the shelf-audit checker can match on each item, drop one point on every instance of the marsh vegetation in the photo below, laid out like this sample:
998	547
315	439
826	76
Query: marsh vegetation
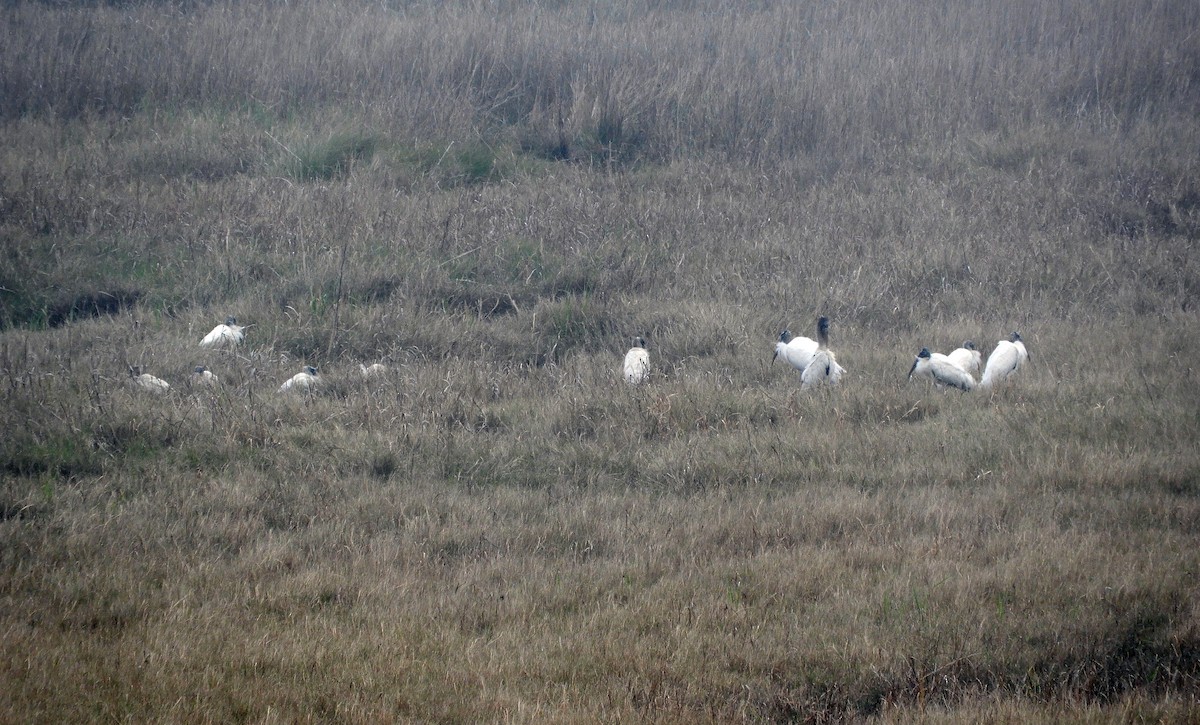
492	200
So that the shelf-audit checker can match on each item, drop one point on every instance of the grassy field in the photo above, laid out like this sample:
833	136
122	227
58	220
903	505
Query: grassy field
493	199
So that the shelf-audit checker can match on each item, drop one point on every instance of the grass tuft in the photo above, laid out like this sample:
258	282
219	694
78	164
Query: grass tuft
331	158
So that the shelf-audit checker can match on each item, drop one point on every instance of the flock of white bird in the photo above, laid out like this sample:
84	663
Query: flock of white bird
230	334
958	369
813	359
818	365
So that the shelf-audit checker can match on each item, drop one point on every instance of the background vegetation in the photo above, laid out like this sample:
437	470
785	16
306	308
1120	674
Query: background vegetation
493	198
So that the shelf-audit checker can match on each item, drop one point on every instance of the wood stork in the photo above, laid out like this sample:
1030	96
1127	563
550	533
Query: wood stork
798	351
304	380
227	334
795	351
203	376
637	363
941	369
148	382
823	368
373	370
1007	358
968	358
803	353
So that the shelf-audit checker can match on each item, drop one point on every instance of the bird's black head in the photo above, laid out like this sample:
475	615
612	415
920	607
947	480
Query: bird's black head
1015	337
135	370
199	369
310	370
969	344
823	329
924	354
639	342
785	336
231	320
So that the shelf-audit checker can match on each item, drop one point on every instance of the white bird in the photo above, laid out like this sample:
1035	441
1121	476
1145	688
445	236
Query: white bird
803	353
822	368
373	370
227	334
941	370
967	358
148	382
795	351
637	363
203	376
798	352
304	380
1007	358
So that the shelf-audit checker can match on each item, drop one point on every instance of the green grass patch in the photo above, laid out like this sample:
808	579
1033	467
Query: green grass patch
60	456
331	158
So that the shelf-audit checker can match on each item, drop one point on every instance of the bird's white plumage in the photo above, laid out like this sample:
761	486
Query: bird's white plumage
796	351
1007	358
372	370
822	368
148	382
304	380
203	376
227	334
637	363
941	369
967	358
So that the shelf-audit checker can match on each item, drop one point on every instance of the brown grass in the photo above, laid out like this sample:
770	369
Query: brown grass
492	201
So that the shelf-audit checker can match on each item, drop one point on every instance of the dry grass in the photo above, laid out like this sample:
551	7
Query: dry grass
492	203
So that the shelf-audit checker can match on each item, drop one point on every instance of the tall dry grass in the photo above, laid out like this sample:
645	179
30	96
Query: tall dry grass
492	200
838	81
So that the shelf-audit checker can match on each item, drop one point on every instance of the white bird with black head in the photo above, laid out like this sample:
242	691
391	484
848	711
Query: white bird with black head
1007	358
304	380
795	351
227	334
941	370
637	363
202	377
